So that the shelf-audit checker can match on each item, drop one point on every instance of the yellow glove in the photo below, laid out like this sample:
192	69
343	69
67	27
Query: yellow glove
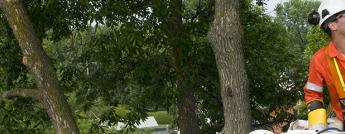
316	115
317	119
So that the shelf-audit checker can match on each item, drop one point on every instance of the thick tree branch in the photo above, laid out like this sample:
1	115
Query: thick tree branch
32	93
41	68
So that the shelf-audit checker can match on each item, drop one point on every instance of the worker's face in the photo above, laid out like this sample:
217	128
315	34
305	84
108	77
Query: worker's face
341	17
338	26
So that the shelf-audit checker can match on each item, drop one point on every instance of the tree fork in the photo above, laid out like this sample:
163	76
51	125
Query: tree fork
40	67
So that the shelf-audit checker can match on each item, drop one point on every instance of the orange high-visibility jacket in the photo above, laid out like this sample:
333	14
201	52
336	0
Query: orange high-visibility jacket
320	76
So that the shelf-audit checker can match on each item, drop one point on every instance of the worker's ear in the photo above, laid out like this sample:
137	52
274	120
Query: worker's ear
332	26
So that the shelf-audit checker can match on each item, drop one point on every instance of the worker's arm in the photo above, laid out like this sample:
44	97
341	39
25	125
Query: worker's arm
313	93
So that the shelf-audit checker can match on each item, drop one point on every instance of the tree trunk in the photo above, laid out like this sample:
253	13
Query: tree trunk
225	36
187	120
48	90
186	103
186	107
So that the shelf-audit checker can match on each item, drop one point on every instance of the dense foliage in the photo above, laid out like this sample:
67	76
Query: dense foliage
116	64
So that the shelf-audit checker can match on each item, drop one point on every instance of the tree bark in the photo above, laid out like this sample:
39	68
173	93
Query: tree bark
225	37
48	91
186	106
186	102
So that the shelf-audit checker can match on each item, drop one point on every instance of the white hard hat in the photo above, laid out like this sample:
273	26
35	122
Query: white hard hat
329	8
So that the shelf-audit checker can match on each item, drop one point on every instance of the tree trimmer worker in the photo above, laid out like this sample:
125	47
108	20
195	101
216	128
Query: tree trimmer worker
327	66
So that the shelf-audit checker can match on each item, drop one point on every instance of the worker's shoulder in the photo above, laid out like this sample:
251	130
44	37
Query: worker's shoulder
320	54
